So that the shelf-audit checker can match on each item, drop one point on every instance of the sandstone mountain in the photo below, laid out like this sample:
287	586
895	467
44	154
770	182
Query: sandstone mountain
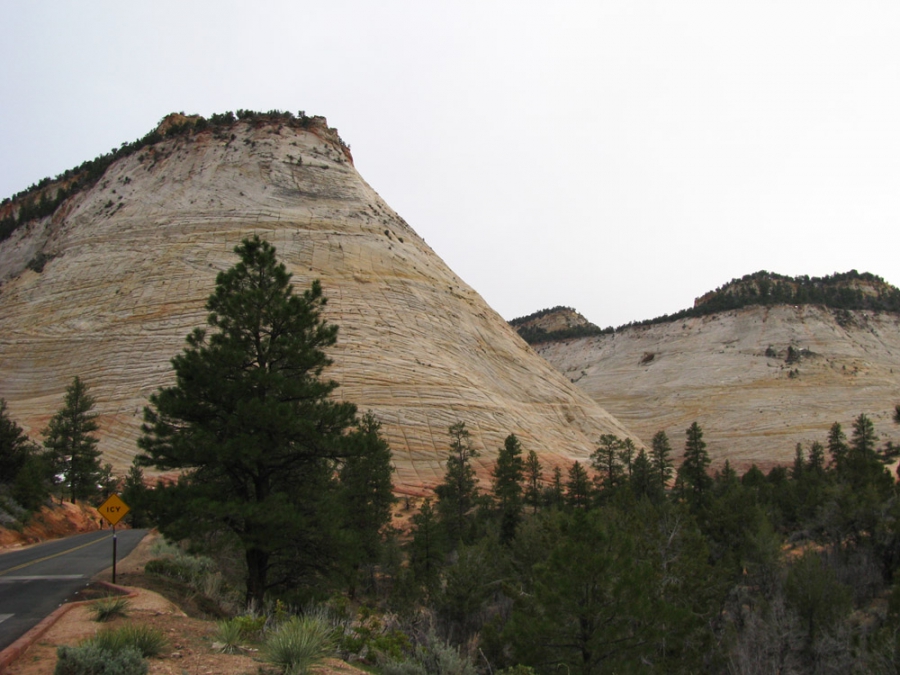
759	374
105	270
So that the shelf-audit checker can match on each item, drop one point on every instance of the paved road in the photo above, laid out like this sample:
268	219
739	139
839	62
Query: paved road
36	580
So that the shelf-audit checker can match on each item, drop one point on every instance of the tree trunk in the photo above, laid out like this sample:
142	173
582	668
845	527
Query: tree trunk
257	567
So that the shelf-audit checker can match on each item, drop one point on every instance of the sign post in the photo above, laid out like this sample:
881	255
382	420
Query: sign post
113	510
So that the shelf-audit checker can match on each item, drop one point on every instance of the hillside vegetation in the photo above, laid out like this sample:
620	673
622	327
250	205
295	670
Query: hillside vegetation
845	291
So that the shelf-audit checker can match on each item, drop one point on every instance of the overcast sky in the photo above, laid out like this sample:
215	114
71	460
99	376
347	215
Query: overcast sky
621	158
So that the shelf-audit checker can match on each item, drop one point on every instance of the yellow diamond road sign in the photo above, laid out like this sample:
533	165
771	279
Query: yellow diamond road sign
113	509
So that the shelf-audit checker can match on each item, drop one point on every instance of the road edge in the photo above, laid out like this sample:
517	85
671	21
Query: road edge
9	655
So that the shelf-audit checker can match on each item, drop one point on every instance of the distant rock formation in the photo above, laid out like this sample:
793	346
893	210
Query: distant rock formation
758	379
107	279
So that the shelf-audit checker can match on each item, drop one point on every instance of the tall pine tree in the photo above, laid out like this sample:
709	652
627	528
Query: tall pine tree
458	493
508	475
692	473
251	423
70	442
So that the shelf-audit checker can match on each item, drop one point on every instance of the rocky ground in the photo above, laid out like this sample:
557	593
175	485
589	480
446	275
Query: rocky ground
50	523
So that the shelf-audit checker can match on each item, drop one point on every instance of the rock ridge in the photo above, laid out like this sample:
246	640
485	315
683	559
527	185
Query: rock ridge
110	284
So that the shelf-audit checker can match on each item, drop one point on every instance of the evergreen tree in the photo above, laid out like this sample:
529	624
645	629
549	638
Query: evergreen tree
643	483
134	493
366	491
427	546
660	459
837	446
799	466
864	463
107	482
534	472
23	469
693	470
15	446
508	476
459	490
606	461
555	490
252	425
578	487
33	481
626	457
815	460
70	442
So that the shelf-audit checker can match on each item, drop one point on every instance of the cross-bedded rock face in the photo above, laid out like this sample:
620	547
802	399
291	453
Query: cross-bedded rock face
127	265
759	380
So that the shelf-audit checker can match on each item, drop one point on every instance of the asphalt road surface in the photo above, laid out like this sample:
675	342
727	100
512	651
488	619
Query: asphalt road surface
36	580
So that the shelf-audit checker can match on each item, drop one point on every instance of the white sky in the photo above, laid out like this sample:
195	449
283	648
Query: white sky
618	157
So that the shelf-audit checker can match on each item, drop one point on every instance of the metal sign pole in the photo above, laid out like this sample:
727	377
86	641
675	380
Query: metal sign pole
114	554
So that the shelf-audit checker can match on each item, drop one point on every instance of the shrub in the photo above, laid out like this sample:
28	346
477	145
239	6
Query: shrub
432	657
185	568
299	643
228	636
90	659
109	607
232	633
146	640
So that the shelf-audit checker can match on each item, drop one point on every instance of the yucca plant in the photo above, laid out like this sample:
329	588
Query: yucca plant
147	640
229	636
110	607
299	643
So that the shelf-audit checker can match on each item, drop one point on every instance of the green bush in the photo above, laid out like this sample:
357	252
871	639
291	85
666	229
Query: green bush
232	634
432	657
186	568
91	659
228	637
109	607
299	643
146	640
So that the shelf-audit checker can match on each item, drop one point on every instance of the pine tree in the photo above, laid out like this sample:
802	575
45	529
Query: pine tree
606	461
427	546
643	482
366	492
508	475
534	472
251	423
815	460
70	442
660	458
15	446
693	470
578	487
837	446
555	489
864	462
458	492
626	457
799	467
134	493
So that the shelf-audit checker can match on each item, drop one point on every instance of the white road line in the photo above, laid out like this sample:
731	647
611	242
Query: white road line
4	617
44	577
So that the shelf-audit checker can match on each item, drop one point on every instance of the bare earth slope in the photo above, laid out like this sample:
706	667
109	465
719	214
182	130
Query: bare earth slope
132	260
730	372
